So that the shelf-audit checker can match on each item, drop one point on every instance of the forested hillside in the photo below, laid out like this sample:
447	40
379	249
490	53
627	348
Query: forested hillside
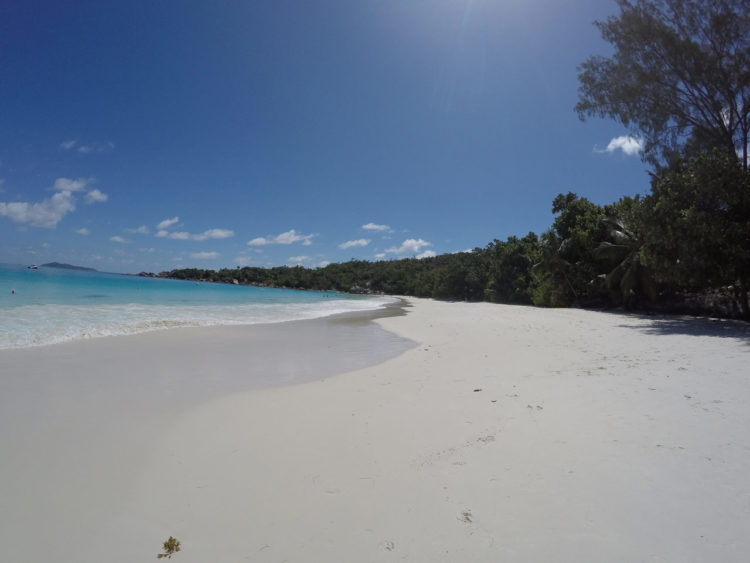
679	80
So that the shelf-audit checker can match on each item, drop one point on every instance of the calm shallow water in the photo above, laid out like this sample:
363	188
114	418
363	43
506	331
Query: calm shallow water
50	305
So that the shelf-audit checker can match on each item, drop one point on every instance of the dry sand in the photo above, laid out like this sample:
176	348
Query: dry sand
506	434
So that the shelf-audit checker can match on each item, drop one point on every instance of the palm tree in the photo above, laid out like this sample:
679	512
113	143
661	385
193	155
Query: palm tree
629	275
551	264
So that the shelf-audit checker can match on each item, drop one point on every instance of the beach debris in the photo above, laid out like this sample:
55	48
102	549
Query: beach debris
170	547
477	390
466	516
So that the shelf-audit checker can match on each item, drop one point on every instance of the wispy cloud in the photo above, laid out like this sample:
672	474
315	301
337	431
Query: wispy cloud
179	235
70	185
289	237
205	235
426	254
82	231
142	230
167	223
298	260
204	255
95	196
46	213
119	239
409	246
376	227
354	243
87	148
213	234
628	145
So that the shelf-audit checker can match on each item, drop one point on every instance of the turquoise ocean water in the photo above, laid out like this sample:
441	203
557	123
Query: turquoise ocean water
50	305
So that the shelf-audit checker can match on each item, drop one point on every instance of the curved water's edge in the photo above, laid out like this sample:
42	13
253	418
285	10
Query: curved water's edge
31	326
44	307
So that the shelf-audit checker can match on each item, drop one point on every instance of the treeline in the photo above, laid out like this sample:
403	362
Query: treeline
679	79
683	247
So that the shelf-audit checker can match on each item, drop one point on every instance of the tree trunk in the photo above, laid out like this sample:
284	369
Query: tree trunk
742	296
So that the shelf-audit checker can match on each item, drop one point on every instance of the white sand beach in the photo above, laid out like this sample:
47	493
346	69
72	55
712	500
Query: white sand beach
505	434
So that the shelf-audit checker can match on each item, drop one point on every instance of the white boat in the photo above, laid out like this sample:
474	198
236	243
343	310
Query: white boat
33	267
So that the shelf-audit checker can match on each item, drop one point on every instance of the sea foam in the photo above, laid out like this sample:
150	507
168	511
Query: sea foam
38	325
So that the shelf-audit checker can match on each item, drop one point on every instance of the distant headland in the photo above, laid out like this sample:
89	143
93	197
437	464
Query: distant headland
67	267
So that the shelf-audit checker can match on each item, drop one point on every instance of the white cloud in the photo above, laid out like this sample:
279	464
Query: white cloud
323	264
95	196
298	260
627	144
213	234
46	213
179	235
242	260
204	255
205	235
83	231
353	243
375	227
69	185
119	239
66	145
426	254
147	250
289	237
167	223
142	230
380	256
409	246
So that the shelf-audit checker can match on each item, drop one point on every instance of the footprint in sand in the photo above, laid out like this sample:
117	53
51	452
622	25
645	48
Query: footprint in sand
387	546
466	517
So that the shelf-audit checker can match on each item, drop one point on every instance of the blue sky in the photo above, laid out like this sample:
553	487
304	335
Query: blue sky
156	135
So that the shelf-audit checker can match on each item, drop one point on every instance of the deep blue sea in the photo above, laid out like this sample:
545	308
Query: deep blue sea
51	305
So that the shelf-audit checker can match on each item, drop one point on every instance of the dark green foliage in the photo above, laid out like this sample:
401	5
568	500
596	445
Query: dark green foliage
691	234
621	254
510	263
679	75
170	547
551	286
568	249
698	225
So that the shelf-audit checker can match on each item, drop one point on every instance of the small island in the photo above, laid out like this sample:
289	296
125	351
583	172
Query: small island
62	266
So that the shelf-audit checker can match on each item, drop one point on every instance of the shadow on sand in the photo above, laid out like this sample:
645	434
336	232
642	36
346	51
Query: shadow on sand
692	326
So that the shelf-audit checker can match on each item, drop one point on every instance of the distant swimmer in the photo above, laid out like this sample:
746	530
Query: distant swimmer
12	291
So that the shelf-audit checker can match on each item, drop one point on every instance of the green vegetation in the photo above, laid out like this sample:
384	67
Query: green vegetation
679	77
170	547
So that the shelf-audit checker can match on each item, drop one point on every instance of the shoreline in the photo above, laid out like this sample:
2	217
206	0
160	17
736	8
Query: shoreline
500	434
